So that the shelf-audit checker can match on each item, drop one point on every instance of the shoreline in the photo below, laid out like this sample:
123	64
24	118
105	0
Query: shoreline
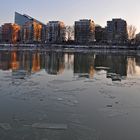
71	48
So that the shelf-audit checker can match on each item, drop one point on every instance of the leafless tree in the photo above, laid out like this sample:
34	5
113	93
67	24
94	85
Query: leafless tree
131	31
70	32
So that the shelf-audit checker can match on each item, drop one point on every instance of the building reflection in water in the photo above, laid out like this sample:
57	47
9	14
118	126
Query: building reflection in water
115	65
54	63
69	59
133	67
14	61
5	61
84	65
25	63
36	62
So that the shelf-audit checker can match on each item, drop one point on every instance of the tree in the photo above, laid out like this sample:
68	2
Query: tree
69	33
131	31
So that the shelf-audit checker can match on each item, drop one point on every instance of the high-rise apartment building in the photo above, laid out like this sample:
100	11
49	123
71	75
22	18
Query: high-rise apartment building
56	32
84	31
32	29
117	31
137	39
10	33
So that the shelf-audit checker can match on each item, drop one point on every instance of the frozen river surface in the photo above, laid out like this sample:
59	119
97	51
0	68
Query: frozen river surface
69	96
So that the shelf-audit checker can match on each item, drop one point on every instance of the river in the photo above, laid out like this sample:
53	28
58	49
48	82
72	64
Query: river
48	95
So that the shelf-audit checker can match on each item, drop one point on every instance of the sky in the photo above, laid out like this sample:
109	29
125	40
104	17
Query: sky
71	10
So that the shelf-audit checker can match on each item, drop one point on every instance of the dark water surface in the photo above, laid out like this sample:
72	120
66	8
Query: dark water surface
69	96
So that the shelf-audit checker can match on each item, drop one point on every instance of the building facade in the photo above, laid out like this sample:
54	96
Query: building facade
56	32
0	34
32	30
10	33
117	31
137	39
84	31
100	34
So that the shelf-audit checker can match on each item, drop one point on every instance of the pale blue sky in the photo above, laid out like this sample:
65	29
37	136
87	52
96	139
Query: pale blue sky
71	10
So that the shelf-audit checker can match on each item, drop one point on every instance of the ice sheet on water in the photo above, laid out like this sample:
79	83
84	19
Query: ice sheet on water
109	105
90	81
59	81
102	68
5	126
60	99
107	94
50	126
70	90
52	86
111	97
117	114
116	78
111	112
114	84
70	101
84	132
130	83
101	73
32	83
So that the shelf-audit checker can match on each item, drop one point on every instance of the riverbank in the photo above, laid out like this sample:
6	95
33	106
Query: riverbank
65	47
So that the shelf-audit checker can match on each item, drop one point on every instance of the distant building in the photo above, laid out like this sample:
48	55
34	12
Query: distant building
84	31
22	19
27	32
0	34
117	31
10	33
32	29
137	38
32	32
56	32
100	34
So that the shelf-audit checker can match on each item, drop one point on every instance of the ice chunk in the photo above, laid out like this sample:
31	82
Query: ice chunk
5	126
49	126
111	113
109	105
102	68
111	97
60	99
117	113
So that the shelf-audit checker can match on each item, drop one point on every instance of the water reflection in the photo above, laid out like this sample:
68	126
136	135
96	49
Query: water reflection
55	63
84	64
116	66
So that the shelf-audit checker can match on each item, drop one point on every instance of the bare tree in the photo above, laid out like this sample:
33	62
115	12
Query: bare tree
70	32
131	29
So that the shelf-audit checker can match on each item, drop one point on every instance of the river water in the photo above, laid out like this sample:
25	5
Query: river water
81	95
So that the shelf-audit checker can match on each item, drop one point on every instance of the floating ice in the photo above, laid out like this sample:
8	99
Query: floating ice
60	99
109	106
57	81
103	68
5	126
49	126
111	113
